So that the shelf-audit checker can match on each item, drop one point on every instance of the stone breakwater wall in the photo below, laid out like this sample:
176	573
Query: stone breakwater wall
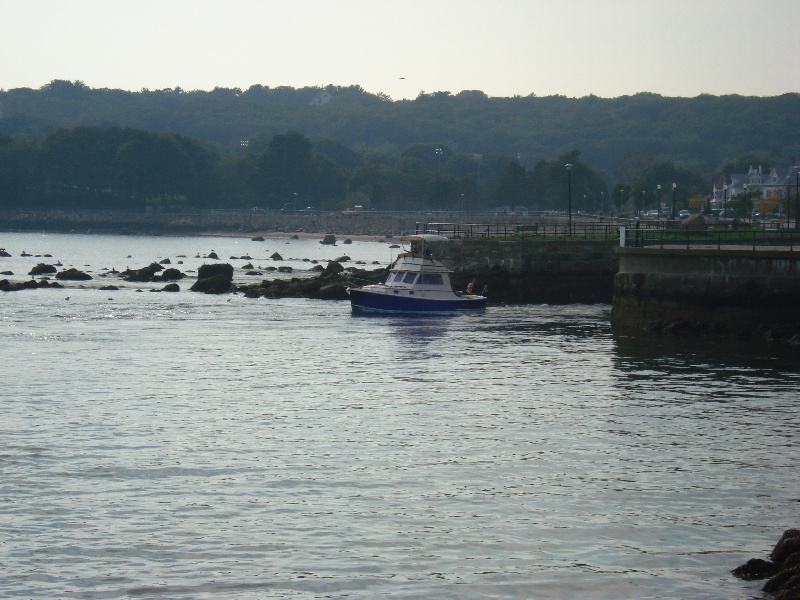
535	271
746	294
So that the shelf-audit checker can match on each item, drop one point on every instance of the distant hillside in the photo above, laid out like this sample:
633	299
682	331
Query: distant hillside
613	135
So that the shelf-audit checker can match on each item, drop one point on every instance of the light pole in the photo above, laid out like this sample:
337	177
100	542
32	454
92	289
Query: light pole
462	204
439	159
658	199
797	197
674	185
569	194
744	200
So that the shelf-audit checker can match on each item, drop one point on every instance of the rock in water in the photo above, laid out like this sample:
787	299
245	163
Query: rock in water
214	279
73	275
42	269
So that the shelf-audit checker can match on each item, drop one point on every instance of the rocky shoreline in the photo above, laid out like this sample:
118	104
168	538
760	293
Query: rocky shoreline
209	222
782	570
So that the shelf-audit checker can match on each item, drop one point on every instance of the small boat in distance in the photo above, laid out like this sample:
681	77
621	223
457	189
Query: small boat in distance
417	282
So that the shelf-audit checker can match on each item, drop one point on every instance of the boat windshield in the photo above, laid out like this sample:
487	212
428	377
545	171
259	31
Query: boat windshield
432	279
398	277
410	277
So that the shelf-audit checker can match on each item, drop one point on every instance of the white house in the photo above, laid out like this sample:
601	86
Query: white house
777	184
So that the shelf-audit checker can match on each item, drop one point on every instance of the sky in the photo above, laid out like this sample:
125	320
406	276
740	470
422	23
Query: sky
504	48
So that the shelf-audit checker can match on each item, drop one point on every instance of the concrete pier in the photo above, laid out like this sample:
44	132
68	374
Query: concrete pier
742	293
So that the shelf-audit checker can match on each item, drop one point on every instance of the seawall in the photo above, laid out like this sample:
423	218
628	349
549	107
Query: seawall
536	271
742	293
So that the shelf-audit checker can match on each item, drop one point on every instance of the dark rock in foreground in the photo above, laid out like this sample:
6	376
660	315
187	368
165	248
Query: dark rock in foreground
31	284
783	569
329	240
73	275
330	284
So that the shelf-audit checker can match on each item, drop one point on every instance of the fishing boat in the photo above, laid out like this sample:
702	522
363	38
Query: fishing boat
417	282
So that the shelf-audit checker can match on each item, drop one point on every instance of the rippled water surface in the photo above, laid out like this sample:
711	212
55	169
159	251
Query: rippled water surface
192	446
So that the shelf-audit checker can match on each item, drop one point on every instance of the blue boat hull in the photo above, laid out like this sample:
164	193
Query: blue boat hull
366	300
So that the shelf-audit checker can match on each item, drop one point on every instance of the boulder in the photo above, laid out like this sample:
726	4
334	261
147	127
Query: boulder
144	274
783	570
42	269
172	275
30	284
3	253
329	240
276	256
343	258
73	275
171	287
214	279
258	238
223	269
333	267
218	284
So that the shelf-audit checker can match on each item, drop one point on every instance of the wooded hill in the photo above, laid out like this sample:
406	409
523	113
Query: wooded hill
617	136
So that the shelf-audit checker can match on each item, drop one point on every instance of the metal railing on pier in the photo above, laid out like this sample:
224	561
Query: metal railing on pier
583	230
663	234
715	239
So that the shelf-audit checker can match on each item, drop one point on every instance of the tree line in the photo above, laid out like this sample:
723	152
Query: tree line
619	137
133	169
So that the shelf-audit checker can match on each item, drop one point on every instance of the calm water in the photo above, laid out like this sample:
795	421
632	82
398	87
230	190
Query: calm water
159	445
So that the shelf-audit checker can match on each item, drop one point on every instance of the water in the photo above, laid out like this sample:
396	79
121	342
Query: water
192	446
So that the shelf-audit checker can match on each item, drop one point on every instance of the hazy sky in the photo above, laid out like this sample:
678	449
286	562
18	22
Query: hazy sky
401	47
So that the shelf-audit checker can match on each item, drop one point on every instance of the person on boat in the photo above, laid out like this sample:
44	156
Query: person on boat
470	286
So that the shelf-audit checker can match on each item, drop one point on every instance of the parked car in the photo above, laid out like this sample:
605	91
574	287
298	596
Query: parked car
684	214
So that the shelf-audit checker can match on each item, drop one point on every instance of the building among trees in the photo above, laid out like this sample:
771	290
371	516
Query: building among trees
771	188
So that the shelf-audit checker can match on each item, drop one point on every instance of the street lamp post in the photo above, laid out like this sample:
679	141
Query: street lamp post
569	195
797	197
658	199
439	159
744	200
674	185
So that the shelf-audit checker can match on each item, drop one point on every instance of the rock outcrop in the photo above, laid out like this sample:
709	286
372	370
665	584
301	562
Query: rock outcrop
783	568
73	274
140	275
31	284
214	279
42	269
